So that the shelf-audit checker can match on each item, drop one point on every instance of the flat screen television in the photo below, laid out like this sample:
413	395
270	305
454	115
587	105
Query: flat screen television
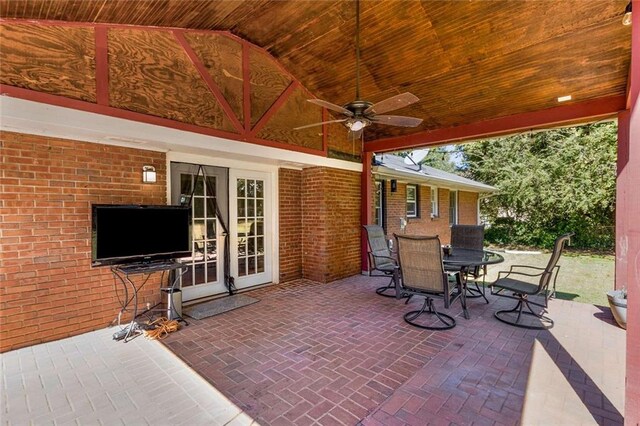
122	234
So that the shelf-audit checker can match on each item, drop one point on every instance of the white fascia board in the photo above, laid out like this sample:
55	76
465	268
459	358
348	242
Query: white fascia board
21	116
430	180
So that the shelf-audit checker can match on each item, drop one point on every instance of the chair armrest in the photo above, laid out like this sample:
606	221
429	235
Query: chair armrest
526	266
384	257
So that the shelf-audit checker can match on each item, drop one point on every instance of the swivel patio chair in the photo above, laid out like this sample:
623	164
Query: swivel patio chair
470	237
423	275
380	257
521	289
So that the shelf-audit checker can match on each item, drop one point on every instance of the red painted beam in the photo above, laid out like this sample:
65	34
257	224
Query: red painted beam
273	109
45	98
564	114
102	66
204	73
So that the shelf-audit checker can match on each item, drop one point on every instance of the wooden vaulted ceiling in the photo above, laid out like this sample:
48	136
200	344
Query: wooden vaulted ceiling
467	61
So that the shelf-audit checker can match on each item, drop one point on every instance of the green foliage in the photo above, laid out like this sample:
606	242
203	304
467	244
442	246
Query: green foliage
549	183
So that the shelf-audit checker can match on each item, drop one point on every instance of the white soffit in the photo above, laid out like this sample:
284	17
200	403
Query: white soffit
21	116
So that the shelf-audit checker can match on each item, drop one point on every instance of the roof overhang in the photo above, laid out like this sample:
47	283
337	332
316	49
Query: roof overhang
440	182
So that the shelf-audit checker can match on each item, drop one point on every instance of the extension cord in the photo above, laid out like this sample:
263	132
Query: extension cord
121	334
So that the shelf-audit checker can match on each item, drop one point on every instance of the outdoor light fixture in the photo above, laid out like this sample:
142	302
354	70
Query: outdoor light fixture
148	174
394	185
626	18
564	98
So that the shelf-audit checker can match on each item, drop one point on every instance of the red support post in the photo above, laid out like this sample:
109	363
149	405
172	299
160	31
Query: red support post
627	224
366	197
246	85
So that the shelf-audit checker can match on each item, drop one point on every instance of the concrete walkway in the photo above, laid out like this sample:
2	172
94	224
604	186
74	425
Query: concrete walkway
92	380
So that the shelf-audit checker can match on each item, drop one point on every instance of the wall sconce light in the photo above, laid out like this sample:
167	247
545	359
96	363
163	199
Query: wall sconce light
394	185
148	174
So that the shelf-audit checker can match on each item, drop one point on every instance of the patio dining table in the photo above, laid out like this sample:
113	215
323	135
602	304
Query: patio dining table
466	260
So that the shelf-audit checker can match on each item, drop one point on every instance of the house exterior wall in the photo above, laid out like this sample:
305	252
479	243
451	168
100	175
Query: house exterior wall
330	223
290	200
396	208
48	289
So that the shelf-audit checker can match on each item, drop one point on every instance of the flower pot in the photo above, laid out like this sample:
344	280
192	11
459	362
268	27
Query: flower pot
618	304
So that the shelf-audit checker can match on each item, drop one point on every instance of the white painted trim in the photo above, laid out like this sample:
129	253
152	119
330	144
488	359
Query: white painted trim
36	118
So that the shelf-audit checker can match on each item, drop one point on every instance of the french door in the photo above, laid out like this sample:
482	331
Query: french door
251	229
205	275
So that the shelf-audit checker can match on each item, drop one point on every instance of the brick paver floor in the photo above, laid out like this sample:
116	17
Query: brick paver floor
337	353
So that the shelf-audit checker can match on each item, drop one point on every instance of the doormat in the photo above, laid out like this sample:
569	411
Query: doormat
218	306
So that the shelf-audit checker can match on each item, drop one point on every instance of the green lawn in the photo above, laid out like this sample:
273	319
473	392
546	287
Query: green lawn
583	278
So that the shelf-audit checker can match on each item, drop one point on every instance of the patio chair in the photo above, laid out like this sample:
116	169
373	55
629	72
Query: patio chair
423	275
470	237
380	257
519	284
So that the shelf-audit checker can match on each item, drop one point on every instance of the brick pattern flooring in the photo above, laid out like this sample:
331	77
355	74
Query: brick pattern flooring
337	353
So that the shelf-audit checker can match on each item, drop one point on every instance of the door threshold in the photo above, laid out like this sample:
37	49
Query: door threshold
221	295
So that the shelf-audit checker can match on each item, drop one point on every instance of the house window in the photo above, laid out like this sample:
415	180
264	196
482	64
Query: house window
453	207
434	201
413	205
378	203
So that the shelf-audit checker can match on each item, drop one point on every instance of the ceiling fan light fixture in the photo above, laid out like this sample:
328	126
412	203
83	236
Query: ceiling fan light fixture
626	18
357	124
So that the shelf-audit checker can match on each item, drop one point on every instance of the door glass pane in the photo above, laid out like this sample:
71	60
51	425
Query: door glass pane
251	265
198	207
211	229
185	188
241	188
198	274
242	266
251	208
260	189
242	208
199	186
259	208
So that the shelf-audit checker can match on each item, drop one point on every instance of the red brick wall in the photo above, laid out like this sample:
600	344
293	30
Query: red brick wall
330	223
48	290
468	208
290	187
424	225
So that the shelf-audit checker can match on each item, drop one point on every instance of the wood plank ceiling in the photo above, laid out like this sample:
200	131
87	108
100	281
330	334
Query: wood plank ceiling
467	61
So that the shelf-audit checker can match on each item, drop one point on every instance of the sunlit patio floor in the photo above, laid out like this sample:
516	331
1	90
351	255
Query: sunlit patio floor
337	353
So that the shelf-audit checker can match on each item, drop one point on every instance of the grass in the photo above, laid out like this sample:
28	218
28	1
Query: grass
583	277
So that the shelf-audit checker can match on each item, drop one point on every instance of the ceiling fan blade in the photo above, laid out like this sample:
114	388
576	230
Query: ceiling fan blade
397	120
392	103
329	105
320	124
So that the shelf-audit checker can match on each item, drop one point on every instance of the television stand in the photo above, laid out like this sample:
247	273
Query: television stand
132	286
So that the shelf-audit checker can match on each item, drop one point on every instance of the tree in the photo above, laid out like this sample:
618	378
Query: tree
549	183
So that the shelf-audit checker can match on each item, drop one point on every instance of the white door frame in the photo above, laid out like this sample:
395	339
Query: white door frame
233	164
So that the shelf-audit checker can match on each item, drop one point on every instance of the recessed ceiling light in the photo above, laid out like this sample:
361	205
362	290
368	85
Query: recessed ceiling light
564	98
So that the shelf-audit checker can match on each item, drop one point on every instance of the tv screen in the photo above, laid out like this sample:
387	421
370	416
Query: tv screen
136	233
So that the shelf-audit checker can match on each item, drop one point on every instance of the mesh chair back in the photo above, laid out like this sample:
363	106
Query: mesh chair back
421	263
467	236
558	247
381	255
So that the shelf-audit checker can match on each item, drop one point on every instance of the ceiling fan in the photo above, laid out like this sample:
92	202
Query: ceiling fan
359	114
